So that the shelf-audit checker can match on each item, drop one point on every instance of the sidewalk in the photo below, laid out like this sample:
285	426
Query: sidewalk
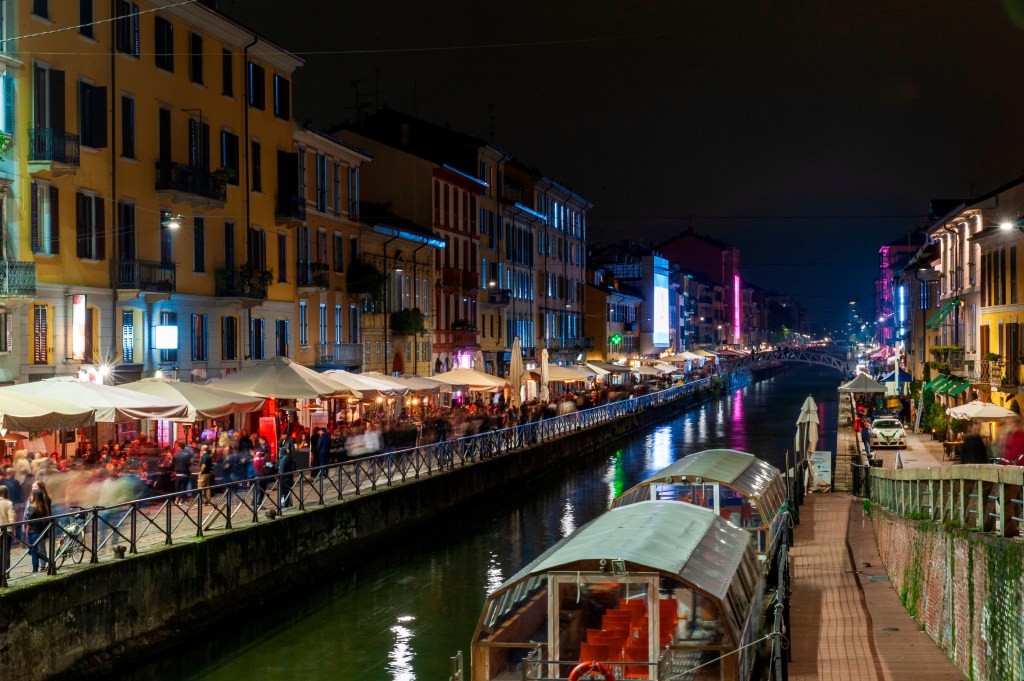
847	621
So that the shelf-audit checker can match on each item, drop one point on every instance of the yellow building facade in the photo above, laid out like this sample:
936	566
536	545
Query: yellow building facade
151	185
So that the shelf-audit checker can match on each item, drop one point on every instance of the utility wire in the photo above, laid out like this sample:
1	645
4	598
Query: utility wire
93	23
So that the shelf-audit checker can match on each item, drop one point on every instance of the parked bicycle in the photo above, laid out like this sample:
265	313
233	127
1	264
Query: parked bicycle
71	545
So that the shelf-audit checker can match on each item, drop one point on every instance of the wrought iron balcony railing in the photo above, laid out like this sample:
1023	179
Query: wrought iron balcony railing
57	146
314	274
242	283
177	177
17	279
291	207
147	275
339	354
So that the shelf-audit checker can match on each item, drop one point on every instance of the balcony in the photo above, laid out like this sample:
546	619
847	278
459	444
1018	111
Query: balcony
453	340
54	150
451	279
313	274
470	281
290	209
17	279
179	183
146	275
501	296
339	354
244	282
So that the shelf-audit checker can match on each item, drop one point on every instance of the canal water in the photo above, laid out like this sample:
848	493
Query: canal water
401	615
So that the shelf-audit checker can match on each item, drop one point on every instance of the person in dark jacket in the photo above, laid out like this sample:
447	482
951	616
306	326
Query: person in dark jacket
34	514
181	464
286	470
973	449
323	448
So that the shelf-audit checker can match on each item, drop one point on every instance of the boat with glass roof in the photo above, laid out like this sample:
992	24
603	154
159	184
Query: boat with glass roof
652	590
742	488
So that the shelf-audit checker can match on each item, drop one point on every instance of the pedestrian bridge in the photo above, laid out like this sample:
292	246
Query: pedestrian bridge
821	356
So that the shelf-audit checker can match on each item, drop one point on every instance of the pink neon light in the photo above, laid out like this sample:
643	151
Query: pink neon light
736	308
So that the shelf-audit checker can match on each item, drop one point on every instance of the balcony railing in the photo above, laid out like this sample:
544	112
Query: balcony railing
17	279
501	296
314	274
176	177
339	354
451	278
449	340
242	283
57	146
146	275
290	207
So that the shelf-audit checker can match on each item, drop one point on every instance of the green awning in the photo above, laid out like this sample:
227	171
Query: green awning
930	385
953	384
959	389
943	312
935	317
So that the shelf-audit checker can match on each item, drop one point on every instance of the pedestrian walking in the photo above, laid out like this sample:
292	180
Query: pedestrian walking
181	464
205	471
973	449
285	471
861	426
7	517
36	524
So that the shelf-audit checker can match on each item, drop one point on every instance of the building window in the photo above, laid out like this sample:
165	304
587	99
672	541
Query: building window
256	82
303	319
282	97
92	115
257	167
282	337
198	145
169	319
41	8
198	244
353	193
321	183
128	336
90	227
198	338
339	252
301	165
127	14
337	324
40	334
127	127
166	239
282	257
229	245
85	18
229	155
229	338
227	60
257	249
164	44
45	211
323	322
256	338
353	326
336	199
196	58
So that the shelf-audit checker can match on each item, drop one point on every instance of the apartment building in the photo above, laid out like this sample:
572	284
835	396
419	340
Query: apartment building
145	154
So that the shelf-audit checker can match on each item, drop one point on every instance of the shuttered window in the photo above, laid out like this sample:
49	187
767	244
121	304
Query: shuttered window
39	334
256	338
257	166
227	73
229	155
196	58
199	338
90	227
256	82
229	338
127	27
45	226
128	336
127	127
164	44
92	115
282	97
282	337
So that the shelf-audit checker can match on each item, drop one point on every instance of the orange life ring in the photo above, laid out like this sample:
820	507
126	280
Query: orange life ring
584	668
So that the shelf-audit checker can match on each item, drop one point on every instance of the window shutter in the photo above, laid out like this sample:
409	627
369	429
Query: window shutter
54	220
40	335
8	105
205	158
57	100
101	231
282	98
81	228
9	330
287	180
35	217
136	47
98	116
193	143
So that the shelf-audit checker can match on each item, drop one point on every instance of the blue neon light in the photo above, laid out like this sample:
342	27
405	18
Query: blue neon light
469	177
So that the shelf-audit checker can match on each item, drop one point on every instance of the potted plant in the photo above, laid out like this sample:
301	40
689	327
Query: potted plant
408	322
363	278
992	357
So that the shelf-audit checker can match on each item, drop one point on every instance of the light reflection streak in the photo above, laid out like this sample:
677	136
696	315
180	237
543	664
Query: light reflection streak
661	448
495	578
568	518
400	656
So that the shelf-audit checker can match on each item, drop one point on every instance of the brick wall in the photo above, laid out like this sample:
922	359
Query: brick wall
964	588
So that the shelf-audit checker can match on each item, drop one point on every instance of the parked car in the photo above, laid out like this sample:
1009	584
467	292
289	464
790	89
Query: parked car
888	432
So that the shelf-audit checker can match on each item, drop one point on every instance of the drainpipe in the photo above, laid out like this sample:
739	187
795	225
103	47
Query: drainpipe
248	148
386	305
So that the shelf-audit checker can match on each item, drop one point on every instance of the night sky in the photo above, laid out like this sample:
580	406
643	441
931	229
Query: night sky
806	133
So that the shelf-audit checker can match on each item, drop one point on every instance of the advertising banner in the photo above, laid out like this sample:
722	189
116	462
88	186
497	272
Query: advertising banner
78	326
821	471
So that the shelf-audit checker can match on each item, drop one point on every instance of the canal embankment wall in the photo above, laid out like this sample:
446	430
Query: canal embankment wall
964	588
90	622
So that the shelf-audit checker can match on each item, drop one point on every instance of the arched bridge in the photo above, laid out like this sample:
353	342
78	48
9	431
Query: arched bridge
821	356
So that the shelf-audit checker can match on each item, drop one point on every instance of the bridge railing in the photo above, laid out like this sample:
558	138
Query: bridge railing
90	534
983	497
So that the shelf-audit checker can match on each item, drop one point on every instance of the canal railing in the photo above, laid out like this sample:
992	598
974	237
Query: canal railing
983	497
89	535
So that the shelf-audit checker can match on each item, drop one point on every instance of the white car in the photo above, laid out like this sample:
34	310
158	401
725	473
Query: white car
888	432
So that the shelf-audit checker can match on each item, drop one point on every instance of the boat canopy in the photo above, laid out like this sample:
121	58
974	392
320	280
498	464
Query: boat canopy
745	474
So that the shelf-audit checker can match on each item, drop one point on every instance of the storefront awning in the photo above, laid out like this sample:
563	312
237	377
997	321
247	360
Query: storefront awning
959	389
943	312
949	385
936	382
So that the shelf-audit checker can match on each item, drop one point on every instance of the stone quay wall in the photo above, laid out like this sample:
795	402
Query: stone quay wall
91	622
965	589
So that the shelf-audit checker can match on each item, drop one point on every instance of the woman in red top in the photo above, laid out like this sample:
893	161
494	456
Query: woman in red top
1013	446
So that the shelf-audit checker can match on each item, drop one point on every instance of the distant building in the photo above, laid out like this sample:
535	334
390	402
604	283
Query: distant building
890	257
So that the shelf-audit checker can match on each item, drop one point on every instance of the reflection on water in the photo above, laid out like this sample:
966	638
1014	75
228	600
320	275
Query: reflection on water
403	614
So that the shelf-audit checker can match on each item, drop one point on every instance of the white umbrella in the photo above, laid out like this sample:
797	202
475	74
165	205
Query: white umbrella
478	362
665	368
568	374
597	370
862	384
983	411
807	428
515	372
417	385
645	371
544	392
203	401
283	378
112	404
471	379
367	386
32	413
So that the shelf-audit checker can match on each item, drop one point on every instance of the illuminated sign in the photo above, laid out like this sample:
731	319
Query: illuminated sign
78	326
736	308
660	337
165	337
